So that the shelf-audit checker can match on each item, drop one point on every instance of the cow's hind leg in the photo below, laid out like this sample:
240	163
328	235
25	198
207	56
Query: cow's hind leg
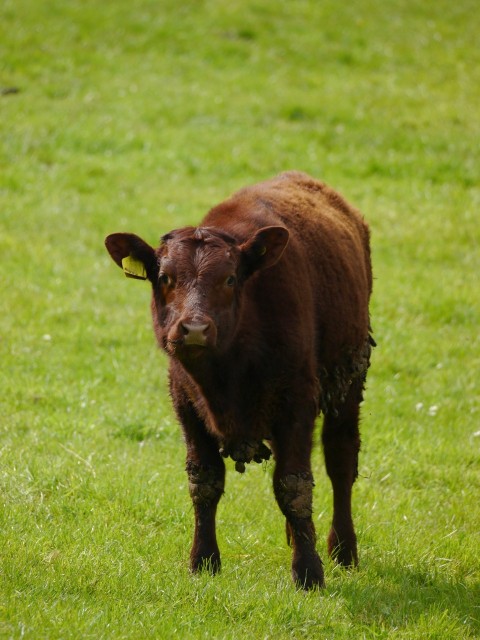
206	480
341	444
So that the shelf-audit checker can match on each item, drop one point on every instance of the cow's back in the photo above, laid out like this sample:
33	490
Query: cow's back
323	281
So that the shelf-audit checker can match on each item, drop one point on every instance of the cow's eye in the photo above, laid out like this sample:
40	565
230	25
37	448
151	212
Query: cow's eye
230	281
165	279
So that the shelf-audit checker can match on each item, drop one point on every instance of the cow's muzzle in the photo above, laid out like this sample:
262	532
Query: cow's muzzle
195	334
191	333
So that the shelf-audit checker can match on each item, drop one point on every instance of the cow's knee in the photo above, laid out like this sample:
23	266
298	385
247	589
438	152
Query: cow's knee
205	484
294	494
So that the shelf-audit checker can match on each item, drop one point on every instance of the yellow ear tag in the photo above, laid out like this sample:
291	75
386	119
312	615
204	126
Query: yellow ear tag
134	268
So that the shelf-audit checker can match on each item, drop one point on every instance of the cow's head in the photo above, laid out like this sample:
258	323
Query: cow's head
198	276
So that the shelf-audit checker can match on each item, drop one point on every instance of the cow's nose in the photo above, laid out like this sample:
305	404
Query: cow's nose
195	333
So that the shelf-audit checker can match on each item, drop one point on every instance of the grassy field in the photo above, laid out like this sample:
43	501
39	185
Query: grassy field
138	115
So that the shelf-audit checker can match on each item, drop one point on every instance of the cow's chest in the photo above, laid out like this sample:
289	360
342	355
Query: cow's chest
233	417
238	407
238	416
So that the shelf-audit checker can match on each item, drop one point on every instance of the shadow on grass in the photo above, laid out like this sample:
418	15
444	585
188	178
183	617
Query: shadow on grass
404	596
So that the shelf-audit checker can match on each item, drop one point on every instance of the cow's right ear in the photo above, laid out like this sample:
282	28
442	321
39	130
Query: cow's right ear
133	255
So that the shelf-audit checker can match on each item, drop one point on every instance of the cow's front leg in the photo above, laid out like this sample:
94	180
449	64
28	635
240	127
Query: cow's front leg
293	486
206	481
293	492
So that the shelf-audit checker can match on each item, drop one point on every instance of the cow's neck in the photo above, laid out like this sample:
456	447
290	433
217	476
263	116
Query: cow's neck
231	393
213	374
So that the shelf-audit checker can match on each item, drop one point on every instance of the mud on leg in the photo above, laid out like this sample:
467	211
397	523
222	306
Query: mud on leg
293	492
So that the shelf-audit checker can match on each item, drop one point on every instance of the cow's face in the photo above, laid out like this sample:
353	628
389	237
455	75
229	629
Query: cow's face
198	277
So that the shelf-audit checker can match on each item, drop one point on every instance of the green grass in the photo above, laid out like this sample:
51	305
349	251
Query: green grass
138	116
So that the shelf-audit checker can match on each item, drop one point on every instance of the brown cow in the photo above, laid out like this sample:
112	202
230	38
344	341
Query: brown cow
263	311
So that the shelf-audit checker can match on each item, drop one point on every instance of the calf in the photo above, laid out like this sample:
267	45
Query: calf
263	312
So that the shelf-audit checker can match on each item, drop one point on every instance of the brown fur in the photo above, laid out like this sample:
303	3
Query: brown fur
263	310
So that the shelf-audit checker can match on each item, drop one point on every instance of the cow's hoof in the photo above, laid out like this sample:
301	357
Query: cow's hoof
343	550
307	573
210	564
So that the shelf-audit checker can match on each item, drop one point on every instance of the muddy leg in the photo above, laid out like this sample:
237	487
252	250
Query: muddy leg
206	484
341	443
206	479
293	485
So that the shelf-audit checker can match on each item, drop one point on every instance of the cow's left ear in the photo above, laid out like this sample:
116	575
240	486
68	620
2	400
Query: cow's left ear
264	249
133	255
